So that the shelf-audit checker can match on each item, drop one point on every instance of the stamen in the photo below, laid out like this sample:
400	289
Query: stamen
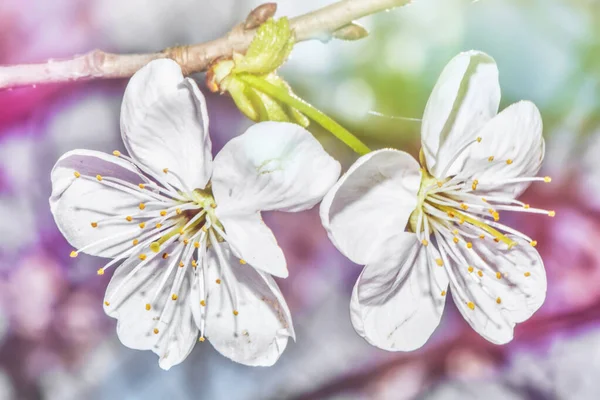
77	174
471	305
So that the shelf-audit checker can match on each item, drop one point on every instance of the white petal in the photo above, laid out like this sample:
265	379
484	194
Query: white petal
258	335
465	97
164	124
77	202
253	241
272	166
371	203
398	302
521	289
128	296
516	135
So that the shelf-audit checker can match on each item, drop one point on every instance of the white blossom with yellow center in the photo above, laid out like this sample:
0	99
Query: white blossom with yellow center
195	255
421	229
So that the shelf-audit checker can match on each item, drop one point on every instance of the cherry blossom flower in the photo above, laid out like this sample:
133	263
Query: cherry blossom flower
195	256
422	230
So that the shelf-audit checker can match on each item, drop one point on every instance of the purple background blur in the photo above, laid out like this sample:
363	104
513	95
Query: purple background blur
56	342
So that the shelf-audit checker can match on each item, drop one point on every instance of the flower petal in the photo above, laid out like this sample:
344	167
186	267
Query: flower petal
371	203
253	241
127	296
77	202
258	334
272	166
465	97
398	302
164	124
498	304
514	143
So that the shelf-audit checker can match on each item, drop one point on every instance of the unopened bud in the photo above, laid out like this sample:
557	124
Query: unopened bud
260	15
352	31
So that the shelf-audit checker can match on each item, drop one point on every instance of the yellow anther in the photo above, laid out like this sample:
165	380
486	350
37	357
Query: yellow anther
165	256
106	303
461	221
451	214
181	264
235	312
455	232
443	292
99	177
498	275
166	170
186	241
94	224
204	228
471	305
474	185
526	206
527	274
155	247
551	213
74	254
464	206
163	213
470	269
498	300
129	218
135	242
242	261
142	257
482	236
469	245
181	231
117	153
201	339
533	243
496	216
197	245
491	158
77	174
439	262
142	206
203	303
194	263
178	211
440	184
142	225
142	186
484	199
148	306
424	242
455	240
509	161
158	225
155	331
213	205
218	281
496	240
100	271
174	297
547	179
480	273
479	139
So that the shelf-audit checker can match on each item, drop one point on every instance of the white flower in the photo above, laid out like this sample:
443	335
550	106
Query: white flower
422	230
196	254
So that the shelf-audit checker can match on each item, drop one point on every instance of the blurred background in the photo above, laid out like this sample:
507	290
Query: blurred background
56	342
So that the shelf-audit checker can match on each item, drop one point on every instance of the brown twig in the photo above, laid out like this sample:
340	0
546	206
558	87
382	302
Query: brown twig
319	24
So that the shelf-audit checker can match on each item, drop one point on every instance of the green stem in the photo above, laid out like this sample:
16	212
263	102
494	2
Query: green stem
310	111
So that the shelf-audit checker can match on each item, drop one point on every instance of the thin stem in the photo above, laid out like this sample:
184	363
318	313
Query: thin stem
310	111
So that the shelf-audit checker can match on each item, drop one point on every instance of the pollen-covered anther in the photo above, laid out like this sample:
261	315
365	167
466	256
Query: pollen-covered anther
440	184
464	206
141	186
424	242
181	264
201	339
480	273
186	241
439	262
451	214
100	271
455	240
547	179
470	269
235	312
194	263
213	205
129	218
474	185
482	236
178	211
174	297
498	300
142	206
479	139
77	174
242	261
455	232
443	293
498	275
142	257
197	245
135	242
165	256
204	228
461	220
491	158
166	170
148	306
94	224
509	161
142	225
158	225
163	213
552	213
469	245
526	206
218	281
117	153
155	330
496	240
496	216
527	274
471	305
73	254
99	177
155	247
106	303
533	243
203	303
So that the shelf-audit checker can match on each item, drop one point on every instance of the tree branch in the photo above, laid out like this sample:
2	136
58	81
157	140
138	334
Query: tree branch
319	24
